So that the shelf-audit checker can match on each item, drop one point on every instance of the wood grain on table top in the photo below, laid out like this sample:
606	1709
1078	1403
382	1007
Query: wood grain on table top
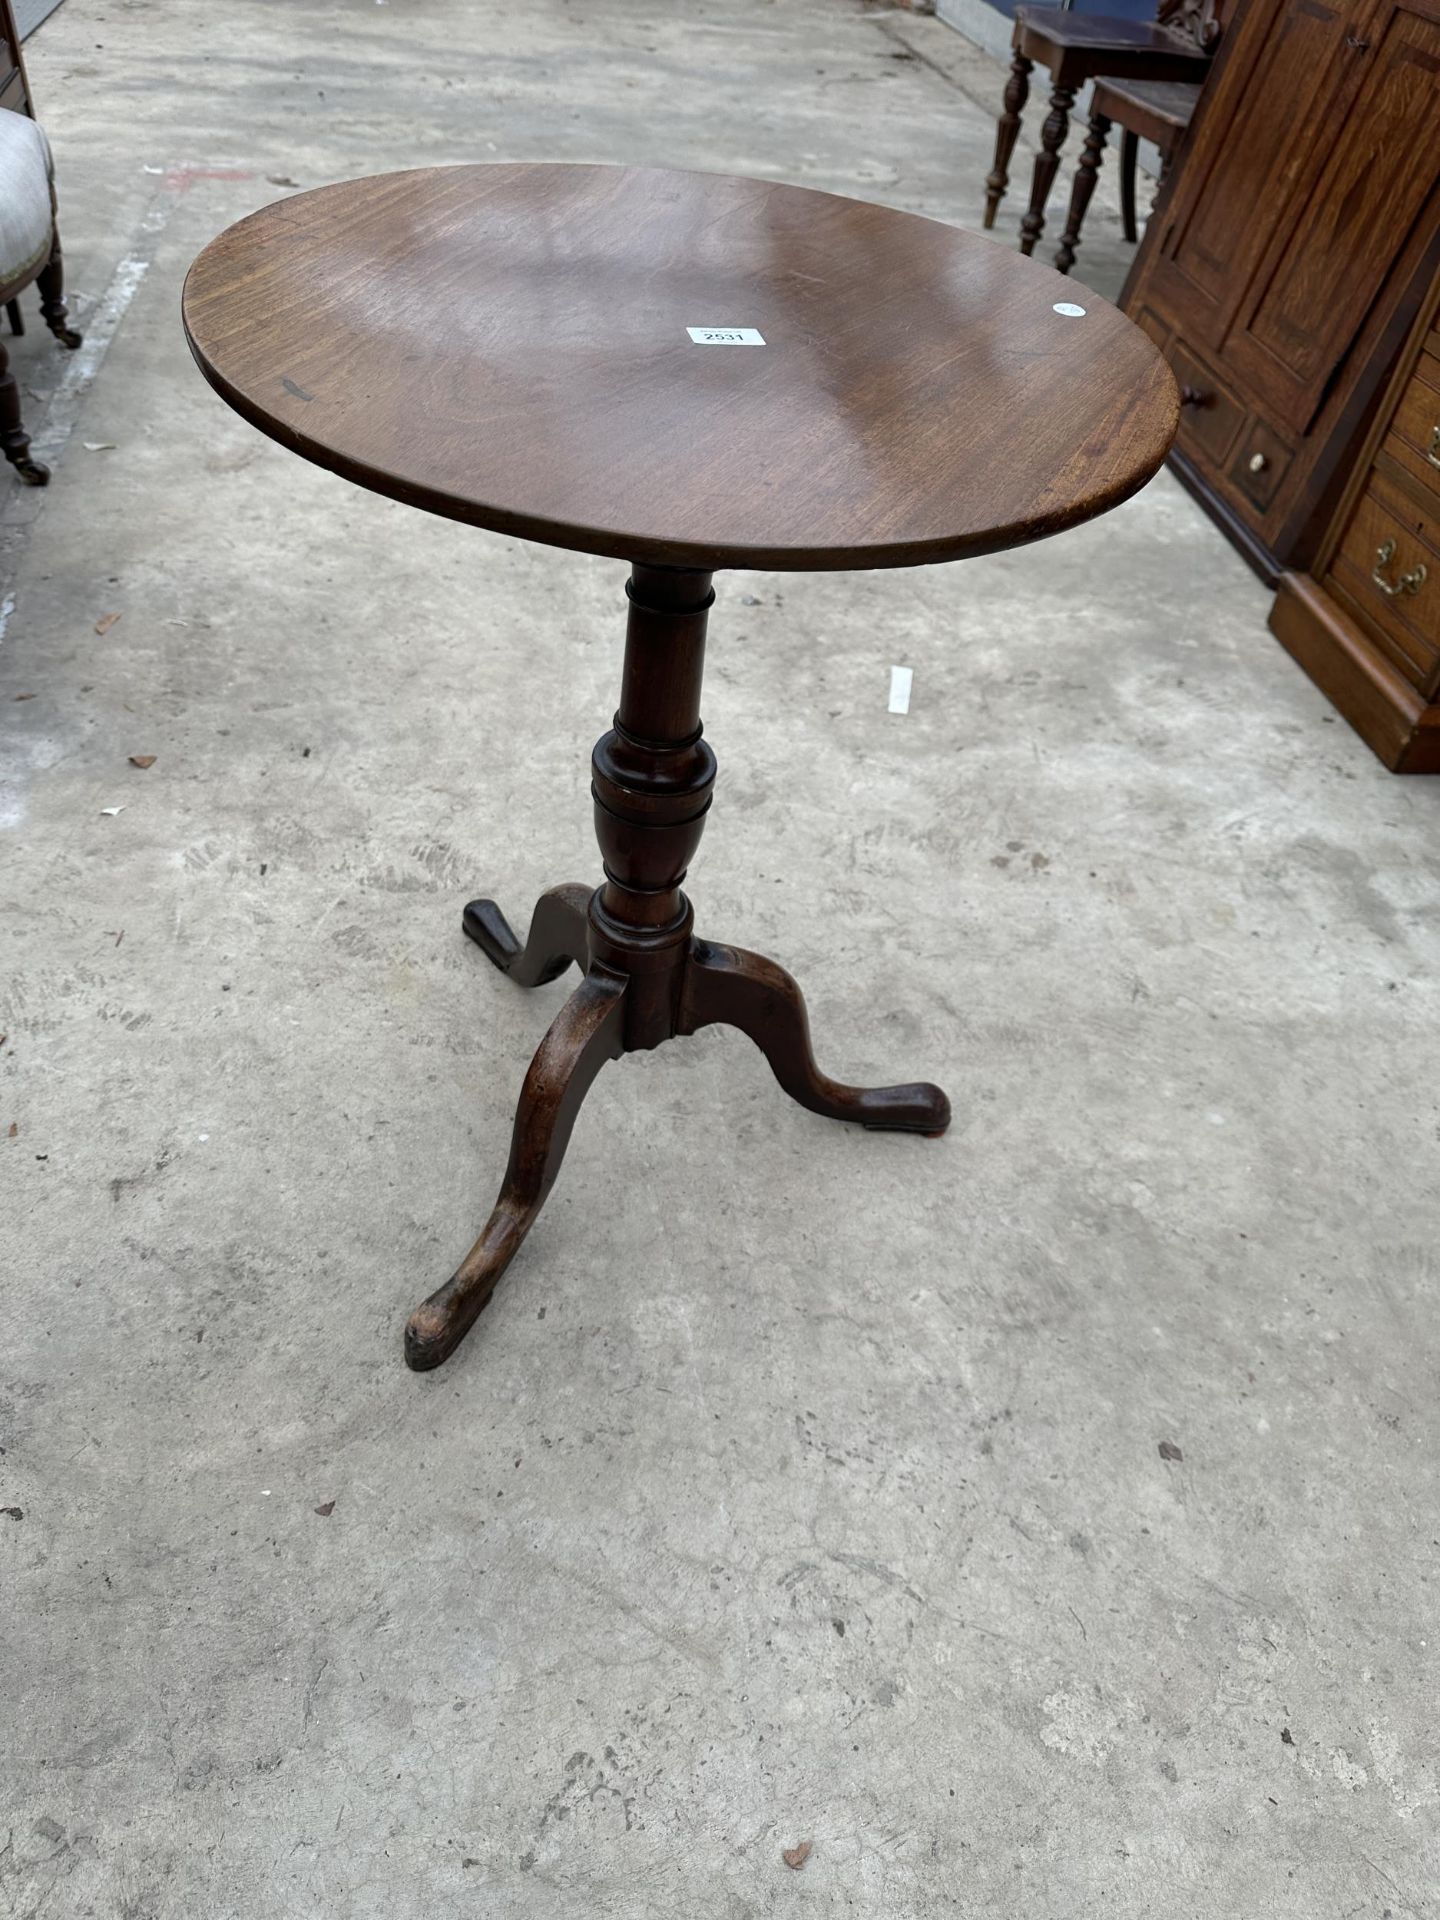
507	345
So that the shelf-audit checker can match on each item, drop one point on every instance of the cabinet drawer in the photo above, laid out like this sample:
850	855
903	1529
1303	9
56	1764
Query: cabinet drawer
1210	415
1387	567
1413	441
1261	462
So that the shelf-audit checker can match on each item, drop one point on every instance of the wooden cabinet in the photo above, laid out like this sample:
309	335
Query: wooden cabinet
1265	113
1283	268
1364	622
1291	275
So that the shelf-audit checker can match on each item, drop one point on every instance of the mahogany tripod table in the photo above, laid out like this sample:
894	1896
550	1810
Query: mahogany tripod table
687	372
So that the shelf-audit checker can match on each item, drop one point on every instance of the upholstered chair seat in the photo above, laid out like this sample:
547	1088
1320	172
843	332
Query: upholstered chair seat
27	202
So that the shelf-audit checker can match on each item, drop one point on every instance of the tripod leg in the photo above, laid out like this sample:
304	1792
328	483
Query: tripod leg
584	1035
729	986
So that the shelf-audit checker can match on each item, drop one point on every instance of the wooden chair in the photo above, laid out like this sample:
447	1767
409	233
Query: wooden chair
1076	48
1155	110
29	238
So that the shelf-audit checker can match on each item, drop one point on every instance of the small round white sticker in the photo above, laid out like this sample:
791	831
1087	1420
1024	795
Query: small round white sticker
1069	309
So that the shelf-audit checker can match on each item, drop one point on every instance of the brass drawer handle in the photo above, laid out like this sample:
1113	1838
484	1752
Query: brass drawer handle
1433	456
1407	583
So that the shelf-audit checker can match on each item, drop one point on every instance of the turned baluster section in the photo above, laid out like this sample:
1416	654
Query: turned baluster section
1047	163
652	776
1085	176
1017	92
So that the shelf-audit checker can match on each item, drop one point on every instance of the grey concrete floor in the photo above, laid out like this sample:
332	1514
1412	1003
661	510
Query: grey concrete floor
1041	1521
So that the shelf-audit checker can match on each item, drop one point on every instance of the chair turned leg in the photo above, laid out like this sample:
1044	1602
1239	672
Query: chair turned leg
1085	177
730	987
14	441
51	282
586	1033
1129	159
559	936
17	318
1017	92
1047	161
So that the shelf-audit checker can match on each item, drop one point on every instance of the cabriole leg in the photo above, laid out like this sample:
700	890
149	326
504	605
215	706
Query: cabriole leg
559	936
585	1034
733	988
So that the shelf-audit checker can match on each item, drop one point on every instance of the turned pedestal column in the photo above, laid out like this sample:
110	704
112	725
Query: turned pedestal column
647	978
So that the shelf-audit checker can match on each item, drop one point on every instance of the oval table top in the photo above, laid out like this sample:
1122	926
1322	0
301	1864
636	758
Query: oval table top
512	346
